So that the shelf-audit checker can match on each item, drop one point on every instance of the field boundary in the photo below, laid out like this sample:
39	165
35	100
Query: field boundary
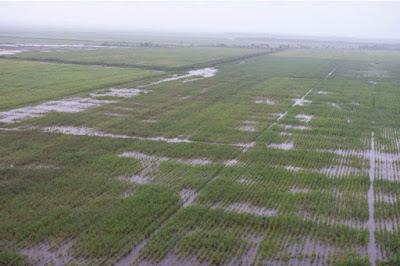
147	67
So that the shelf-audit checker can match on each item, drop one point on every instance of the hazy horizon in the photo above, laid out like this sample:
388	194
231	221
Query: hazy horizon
359	20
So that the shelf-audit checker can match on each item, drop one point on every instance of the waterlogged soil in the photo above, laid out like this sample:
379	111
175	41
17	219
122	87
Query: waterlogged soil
84	131
282	146
261	100
245	146
71	105
247	208
187	196
296	190
43	254
248	126
292	127
190	76
246	181
302	101
79	104
120	92
10	51
304	118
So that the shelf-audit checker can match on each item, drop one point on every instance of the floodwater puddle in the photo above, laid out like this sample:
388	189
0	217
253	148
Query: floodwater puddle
43	254
133	255
187	196
296	190
199	73
245	181
286	127
280	115
340	171
247	208
71	105
248	126
120	92
145	157
114	114
261	100
250	256
331	73
294	169
302	101
10	51
304	118
231	162
245	146
138	179
387	198
85	131
282	146
150	121
335	105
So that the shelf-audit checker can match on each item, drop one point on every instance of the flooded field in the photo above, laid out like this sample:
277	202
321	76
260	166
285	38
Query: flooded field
290	158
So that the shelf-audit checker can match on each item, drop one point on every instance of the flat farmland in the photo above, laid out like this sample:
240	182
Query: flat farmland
288	158
145	57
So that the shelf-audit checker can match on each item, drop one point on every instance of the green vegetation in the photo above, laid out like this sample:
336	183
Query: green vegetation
218	170
153	58
23	83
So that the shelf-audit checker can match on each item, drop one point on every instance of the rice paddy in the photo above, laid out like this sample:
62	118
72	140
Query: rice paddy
287	158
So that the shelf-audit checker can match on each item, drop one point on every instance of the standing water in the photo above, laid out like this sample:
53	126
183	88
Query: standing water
371	211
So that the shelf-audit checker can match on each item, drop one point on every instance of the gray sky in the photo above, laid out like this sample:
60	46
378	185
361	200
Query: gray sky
340	19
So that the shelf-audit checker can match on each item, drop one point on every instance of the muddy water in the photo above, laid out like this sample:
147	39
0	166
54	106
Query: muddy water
372	249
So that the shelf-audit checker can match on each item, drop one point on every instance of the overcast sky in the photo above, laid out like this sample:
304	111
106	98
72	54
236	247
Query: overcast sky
340	19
